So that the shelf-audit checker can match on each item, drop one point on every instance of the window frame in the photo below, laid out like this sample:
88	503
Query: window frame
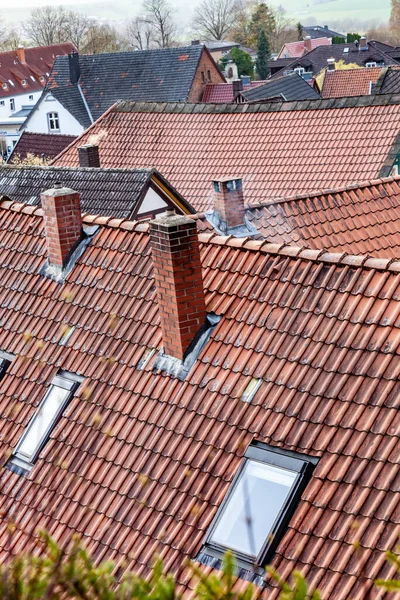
12	104
55	118
277	457
64	380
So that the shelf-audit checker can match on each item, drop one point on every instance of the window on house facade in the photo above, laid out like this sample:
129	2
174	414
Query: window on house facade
259	504
203	77
209	75
53	121
31	97
12	104
43	421
300	71
2	103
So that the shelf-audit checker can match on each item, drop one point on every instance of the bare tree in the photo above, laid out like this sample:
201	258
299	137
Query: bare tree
139	33
160	16
103	38
214	19
76	28
47	25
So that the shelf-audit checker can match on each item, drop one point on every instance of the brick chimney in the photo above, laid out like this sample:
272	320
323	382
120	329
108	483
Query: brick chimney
89	156
237	86
307	43
229	203
363	43
331	64
179	282
62	223
21	54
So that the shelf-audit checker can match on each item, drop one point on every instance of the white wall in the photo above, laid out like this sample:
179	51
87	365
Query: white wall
9	131
20	100
37	122
152	201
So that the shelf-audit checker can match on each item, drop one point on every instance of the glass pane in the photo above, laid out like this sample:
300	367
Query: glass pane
253	507
40	423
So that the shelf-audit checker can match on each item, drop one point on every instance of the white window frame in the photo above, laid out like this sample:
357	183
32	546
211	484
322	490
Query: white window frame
22	462
12	104
276	457
30	98
53	117
370	65
299	70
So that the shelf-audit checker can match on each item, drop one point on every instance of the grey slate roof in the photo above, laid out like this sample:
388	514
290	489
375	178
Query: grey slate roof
106	192
289	87
388	82
164	75
317	31
316	60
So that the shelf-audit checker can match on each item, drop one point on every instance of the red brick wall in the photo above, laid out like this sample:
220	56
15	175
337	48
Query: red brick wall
206	63
178	276
62	222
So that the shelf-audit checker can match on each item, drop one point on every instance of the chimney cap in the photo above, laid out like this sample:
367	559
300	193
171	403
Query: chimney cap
58	190
308	37
171	219
21	47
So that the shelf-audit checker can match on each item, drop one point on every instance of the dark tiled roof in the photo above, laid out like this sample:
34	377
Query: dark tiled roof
358	219
107	192
221	93
349	82
38	63
318	30
140	461
279	149
163	75
40	144
316	60
389	81
289	87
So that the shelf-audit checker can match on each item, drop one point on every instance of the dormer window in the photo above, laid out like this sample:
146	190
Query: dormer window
43	421
259	504
5	86
370	65
23	82
41	78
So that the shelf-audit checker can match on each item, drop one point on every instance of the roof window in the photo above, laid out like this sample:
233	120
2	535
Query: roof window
32	77
5	360
346	50
145	359
11	82
5	86
41	78
251	389
259	504
43	422
23	82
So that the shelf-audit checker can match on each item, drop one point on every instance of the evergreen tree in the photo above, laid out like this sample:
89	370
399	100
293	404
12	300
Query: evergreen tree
263	56
262	18
300	32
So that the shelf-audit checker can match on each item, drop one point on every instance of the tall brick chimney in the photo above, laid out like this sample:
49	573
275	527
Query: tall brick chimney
307	43
62	223
229	203
178	277
89	156
21	54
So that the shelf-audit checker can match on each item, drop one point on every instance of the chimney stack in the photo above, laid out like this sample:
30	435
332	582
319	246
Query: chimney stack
21	54
237	85
62	223
331	64
363	43
228	203
74	67
178	277
307	43
89	156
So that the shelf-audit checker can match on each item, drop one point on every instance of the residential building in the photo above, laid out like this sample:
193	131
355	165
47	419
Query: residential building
143	390
288	87
82	87
364	54
222	93
296	49
350	82
217	48
43	145
318	31
277	149
23	75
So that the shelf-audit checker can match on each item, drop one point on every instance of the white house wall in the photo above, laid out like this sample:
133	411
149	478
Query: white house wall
9	132
151	201
37	122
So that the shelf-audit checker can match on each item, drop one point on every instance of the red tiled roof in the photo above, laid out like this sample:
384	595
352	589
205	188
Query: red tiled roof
296	49
48	145
223	92
278	149
349	82
140	462
38	63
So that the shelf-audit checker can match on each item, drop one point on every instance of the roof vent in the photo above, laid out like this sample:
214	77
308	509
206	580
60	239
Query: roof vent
89	156
228	216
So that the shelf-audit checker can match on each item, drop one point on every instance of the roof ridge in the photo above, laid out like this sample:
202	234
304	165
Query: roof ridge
288	251
324	191
91	169
247	243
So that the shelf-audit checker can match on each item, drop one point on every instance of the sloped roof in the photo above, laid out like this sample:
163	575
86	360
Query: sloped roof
223	92
278	149
358	219
48	145
389	81
349	53
38	63
349	82
299	48
164	75
108	192
318	30
290	87
140	461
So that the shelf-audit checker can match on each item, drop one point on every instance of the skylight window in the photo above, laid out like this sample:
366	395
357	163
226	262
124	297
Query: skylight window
251	389
32	77
259	504
43	421
5	361
146	357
